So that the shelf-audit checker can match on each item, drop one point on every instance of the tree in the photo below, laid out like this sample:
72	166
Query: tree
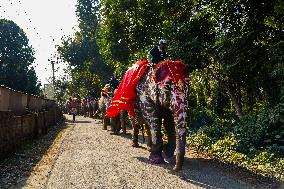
86	67
16	58
128	30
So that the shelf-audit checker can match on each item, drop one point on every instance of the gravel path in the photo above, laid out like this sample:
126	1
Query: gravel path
89	157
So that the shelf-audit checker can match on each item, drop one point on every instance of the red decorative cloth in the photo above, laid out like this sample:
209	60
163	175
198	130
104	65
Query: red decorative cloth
125	95
174	70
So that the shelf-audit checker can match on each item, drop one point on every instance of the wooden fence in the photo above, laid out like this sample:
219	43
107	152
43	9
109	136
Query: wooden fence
24	117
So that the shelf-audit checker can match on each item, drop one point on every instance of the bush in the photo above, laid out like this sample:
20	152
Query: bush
199	119
261	162
266	164
199	142
263	129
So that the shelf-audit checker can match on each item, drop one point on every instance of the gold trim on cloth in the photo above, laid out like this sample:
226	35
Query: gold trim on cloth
139	72
119	101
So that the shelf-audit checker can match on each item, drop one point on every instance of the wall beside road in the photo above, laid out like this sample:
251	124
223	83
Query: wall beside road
23	118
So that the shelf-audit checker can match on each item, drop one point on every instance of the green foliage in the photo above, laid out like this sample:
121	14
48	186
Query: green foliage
200	142
199	119
234	51
263	129
127	29
86	68
251	130
225	150
16	58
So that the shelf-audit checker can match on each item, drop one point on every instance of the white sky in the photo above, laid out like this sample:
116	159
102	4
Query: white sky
43	21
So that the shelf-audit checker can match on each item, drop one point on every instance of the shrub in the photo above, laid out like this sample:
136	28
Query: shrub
261	162
266	164
225	150
263	129
199	141
251	130
199	119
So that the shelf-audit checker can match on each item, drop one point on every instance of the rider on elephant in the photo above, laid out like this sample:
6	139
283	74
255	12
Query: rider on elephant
158	53
106	90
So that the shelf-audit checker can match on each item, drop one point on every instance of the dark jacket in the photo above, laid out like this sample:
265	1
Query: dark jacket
157	55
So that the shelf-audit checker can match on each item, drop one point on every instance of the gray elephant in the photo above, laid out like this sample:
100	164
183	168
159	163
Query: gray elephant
103	103
162	93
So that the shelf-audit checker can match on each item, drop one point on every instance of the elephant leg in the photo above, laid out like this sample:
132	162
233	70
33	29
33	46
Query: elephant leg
180	127
104	122
115	124
149	139
151	115
180	148
169	125
112	124
122	121
118	124
91	113
135	133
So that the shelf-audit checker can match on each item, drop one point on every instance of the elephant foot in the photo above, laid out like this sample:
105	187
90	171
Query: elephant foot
149	148
135	145
169	159
177	167
114	133
156	159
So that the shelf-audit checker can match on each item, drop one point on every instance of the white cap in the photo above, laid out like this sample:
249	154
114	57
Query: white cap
162	41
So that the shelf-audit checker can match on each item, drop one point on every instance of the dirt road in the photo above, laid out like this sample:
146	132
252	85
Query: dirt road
85	156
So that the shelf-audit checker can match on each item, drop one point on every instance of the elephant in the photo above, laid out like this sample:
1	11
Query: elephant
162	93
104	103
117	122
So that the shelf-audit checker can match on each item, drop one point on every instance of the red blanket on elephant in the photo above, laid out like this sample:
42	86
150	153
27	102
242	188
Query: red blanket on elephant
126	94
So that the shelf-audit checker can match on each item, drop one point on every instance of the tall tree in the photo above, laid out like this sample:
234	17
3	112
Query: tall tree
16	58
86	66
128	29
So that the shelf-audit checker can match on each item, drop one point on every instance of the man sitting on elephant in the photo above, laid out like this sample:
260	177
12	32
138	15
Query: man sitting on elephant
158	53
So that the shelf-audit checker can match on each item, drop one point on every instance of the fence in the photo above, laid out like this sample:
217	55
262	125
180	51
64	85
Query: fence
24	117
19	102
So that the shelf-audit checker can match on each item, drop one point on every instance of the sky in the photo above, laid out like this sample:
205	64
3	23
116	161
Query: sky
44	22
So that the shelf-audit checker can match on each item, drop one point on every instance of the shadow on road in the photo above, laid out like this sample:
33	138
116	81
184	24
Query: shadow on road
77	121
189	174
15	170
209	173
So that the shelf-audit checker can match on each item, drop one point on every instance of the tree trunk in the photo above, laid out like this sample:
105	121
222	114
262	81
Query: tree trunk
237	104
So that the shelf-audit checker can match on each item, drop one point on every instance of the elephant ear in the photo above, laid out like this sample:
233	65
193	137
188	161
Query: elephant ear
161	72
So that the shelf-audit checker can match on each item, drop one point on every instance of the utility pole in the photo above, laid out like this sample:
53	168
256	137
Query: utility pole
53	76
